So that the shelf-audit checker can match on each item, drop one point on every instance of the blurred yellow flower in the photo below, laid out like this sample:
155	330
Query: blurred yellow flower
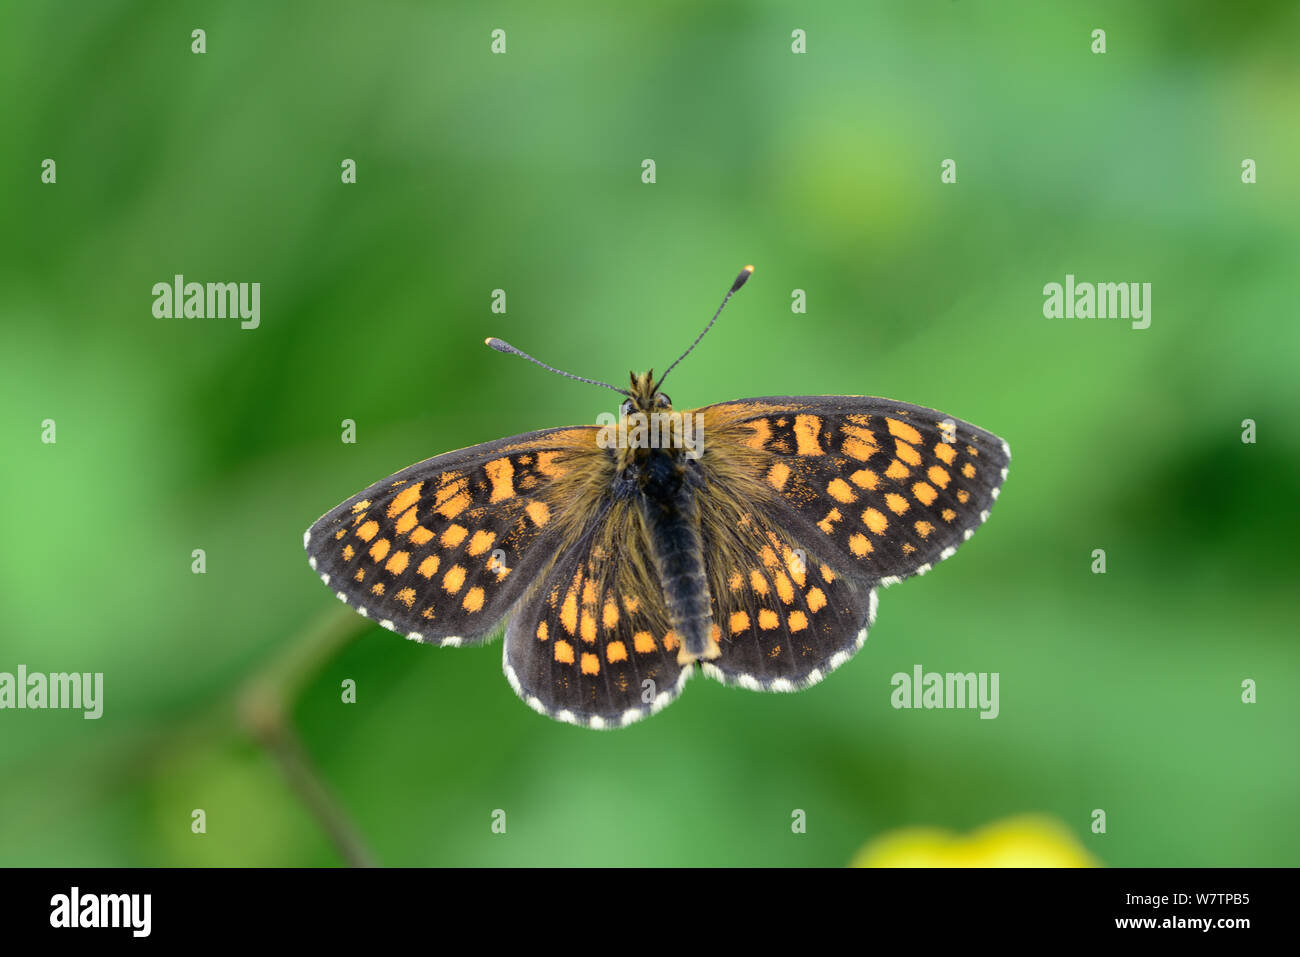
1029	840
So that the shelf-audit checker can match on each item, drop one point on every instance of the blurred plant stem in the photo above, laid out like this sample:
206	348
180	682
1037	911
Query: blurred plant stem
265	708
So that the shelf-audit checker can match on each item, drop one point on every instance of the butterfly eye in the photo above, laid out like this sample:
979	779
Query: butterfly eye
626	408
662	401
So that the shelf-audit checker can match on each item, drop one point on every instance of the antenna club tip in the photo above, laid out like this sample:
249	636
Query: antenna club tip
492	342
740	280
749	268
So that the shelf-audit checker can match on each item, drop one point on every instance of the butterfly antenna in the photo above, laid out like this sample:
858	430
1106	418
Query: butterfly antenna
501	346
740	281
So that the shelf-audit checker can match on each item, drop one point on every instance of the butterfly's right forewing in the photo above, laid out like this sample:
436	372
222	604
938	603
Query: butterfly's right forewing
440	551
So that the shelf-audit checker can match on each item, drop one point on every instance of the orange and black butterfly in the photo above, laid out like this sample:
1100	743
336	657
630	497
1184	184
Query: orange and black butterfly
747	538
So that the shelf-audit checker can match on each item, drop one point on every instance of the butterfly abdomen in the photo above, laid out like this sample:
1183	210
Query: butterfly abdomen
672	518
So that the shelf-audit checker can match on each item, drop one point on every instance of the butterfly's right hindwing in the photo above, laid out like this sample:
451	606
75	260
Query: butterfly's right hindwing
440	551
592	644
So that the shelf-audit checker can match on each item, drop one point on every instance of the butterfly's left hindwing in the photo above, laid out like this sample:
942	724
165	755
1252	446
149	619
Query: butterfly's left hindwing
440	551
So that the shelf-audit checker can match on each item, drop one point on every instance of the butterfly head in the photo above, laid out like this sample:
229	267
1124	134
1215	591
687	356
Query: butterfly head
644	396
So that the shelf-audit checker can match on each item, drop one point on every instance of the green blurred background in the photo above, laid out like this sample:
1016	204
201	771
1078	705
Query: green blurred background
523	172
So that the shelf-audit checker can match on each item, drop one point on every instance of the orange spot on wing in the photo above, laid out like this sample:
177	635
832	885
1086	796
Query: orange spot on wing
875	520
397	563
865	478
454	505
421	535
963	496
758	582
407	521
897	470
806	429
827	524
784	590
925	493
569	612
671	641
481	542
564	652
377	588
368	531
587	627
949	515
767	619
901	430
778	475
858	544
404	499
939	476
798	621
761	431
857	449
473	600
547	466
454	578
643	642
543	631
816	600
348	552
609	615
501	473
406	596
968	470
906	452
617	651
428	566
539	512
590	664
379	550
840	491
945	452
897	504
923	529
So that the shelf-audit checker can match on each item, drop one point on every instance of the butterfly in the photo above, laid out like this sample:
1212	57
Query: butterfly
746	539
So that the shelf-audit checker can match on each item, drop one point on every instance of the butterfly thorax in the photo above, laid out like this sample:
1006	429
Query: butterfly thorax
666	489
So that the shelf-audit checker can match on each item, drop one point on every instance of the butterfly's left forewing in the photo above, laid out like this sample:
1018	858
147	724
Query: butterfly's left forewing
892	488
440	551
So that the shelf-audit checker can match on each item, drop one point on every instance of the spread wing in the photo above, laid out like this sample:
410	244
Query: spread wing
814	501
